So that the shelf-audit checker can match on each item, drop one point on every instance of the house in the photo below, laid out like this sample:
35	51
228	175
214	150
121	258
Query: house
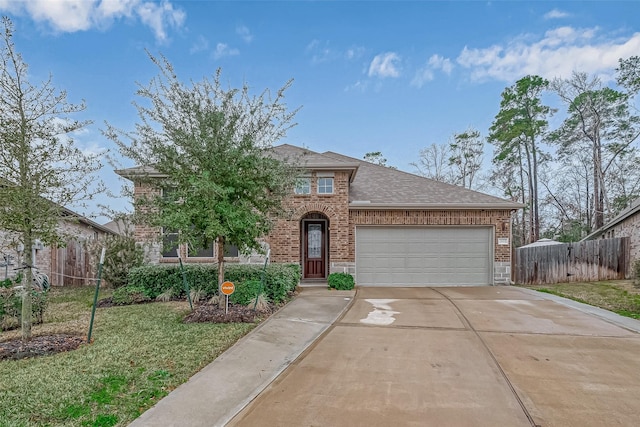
384	226
68	265
626	224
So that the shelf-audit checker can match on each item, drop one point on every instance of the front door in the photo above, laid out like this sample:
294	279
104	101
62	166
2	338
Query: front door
314	249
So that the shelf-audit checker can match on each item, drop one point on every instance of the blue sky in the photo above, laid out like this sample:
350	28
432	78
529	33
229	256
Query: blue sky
370	76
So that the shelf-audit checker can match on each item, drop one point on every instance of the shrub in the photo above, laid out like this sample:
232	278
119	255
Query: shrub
340	281
121	255
635	272
246	292
126	295
280	279
11	307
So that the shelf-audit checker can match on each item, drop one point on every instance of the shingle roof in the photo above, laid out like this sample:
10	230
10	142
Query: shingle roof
377	186
633	209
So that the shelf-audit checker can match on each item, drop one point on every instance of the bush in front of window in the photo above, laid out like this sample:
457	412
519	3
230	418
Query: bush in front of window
280	279
341	281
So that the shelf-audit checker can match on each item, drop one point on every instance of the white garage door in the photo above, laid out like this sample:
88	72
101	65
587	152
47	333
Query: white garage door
424	256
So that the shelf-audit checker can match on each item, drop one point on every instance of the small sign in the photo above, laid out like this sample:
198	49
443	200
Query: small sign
227	288
503	241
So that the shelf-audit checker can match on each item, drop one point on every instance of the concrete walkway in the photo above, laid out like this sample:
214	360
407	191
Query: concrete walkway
218	392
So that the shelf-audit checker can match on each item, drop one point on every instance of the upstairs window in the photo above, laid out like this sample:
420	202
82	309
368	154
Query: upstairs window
325	185
303	186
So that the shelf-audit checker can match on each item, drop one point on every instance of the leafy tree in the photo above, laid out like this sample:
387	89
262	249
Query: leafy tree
40	167
628	74
466	152
377	158
210	146
599	122
516	132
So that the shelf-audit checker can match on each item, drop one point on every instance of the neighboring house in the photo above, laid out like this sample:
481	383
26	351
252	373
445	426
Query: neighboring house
626	224
384	226
68	265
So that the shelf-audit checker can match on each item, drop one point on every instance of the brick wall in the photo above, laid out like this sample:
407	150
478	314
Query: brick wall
630	227
285	236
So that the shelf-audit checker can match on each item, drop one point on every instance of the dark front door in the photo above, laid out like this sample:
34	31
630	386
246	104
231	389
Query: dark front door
314	249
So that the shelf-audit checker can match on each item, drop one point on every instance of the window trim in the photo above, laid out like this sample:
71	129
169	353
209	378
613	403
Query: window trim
323	187
307	185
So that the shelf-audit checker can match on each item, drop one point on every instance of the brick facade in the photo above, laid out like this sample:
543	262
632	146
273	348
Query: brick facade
285	238
630	227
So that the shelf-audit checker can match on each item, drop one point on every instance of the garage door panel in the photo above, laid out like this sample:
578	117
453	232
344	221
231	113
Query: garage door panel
424	256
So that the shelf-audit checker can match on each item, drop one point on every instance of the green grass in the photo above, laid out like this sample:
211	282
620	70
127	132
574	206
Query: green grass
139	354
618	296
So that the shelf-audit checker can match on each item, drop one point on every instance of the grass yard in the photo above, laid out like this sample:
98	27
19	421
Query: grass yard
619	296
139	354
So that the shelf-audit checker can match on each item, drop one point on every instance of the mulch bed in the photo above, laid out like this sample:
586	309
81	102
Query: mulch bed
39	346
237	314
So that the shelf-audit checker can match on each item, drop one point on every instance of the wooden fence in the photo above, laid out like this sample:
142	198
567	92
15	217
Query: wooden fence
70	265
602	259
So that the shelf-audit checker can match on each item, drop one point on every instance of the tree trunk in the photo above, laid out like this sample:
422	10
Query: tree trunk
221	302
27	281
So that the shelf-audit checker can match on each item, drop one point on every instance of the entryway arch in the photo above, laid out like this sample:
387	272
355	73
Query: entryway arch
314	245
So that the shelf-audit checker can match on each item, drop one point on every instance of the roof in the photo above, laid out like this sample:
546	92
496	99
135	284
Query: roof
380	187
632	210
69	213
374	186
541	242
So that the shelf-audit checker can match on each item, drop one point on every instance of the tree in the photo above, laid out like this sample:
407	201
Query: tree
599	122
466	152
40	167
628	74
211	146
517	132
376	158
434	163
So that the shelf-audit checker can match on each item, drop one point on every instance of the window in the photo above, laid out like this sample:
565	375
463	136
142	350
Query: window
169	244
325	185
231	251
204	252
303	186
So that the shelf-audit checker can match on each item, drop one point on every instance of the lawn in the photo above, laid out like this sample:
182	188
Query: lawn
619	296
139	354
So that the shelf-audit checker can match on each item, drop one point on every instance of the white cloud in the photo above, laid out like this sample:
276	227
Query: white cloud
244	33
201	44
81	15
427	73
557	54
385	65
223	49
160	16
555	14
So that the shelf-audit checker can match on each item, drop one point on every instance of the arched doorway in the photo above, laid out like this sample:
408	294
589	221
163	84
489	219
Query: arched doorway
314	246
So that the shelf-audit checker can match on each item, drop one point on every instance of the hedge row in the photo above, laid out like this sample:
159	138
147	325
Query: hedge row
280	279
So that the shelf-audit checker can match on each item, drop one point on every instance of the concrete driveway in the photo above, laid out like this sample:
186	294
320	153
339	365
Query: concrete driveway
483	356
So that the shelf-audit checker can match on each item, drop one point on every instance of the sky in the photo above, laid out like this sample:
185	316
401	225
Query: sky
389	76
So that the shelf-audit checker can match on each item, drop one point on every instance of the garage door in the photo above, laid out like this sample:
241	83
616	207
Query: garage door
424	256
